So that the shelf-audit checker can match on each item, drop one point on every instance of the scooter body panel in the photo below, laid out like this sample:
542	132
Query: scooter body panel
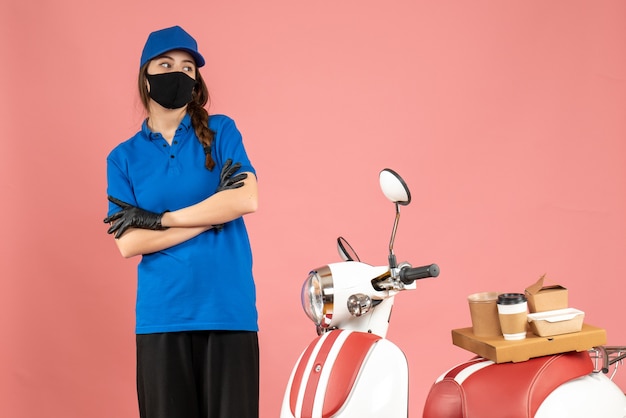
561	385
594	395
350	275
346	374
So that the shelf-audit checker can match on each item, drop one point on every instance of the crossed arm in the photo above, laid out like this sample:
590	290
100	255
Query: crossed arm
183	224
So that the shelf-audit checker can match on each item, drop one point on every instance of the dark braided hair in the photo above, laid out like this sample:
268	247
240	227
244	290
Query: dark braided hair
195	108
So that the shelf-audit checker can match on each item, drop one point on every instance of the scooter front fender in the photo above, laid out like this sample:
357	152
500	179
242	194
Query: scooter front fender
348	374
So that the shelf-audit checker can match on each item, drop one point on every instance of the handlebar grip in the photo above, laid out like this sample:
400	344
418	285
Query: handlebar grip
409	274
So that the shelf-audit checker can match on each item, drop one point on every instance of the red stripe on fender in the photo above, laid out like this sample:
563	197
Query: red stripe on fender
345	370
314	377
297	378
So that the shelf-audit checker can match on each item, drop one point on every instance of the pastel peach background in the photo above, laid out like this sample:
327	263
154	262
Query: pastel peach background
506	118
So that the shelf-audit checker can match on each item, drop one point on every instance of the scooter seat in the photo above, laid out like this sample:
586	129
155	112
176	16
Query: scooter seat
481	388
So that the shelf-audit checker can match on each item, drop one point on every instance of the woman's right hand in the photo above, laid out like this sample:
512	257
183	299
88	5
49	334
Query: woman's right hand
227	182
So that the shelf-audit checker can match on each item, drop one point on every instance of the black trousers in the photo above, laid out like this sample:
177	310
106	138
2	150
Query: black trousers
199	374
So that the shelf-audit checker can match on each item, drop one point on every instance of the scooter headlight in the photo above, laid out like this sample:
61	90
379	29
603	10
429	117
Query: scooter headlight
318	296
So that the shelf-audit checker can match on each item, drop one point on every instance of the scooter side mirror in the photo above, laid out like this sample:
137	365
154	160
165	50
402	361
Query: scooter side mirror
345	250
393	187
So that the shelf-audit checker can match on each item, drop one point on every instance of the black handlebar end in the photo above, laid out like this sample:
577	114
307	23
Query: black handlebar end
434	268
409	274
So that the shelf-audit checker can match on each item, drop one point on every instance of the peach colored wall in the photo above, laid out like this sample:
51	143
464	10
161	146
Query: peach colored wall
506	119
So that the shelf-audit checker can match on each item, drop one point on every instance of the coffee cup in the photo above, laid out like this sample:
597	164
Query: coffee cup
484	314
513	314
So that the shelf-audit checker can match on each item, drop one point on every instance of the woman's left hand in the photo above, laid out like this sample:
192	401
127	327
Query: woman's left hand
132	217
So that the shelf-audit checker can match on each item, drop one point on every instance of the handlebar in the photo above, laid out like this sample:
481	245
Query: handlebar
409	274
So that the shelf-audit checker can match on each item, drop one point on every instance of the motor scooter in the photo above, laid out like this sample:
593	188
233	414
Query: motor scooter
351	370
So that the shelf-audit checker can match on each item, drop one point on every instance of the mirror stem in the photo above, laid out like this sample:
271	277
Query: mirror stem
392	258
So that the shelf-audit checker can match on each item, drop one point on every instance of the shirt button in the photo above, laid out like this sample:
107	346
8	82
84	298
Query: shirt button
171	156
175	142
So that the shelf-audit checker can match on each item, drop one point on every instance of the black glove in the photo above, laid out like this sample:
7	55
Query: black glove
132	217
228	182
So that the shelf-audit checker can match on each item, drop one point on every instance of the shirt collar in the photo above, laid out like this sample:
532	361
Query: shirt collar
185	125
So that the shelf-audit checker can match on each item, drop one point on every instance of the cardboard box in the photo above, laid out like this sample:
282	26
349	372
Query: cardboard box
499	350
557	322
546	298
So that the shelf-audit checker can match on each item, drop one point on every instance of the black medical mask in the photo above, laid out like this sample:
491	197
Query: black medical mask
171	90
